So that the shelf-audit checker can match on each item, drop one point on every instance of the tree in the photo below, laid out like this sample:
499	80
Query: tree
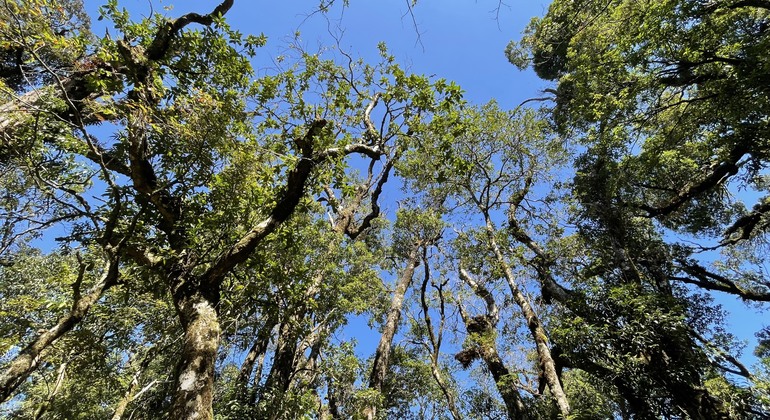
191	127
695	112
488	170
665	98
183	236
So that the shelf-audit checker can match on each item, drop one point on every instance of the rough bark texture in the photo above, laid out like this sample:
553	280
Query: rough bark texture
120	407
194	393
28	359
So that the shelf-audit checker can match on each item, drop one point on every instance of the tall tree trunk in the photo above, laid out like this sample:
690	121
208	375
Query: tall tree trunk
504	382
194	390
436	337
450	399
547	364
288	347
382	354
256	352
19	369
284	365
486	348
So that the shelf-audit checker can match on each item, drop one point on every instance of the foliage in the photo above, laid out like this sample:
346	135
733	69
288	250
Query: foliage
185	236
664	96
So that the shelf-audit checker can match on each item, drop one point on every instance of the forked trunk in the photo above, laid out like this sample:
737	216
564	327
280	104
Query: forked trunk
483	345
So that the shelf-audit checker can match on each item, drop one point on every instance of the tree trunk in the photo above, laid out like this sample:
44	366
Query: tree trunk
284	360
382	354
504	383
450	399
194	390
547	364
485	347
283	367
288	346
307	367
28	360
256	352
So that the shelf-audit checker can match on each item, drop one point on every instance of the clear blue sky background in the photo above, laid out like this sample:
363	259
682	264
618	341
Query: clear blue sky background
460	40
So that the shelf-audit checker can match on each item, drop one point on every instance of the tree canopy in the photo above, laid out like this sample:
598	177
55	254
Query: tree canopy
185	236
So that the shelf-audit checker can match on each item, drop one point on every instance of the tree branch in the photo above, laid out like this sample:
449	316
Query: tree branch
366	223
745	225
28	359
166	33
712	281
717	175
482	292
288	200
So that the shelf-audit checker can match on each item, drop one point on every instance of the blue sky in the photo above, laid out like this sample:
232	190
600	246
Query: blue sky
459	40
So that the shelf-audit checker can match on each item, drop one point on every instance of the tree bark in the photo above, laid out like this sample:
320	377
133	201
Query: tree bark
382	354
547	364
256	352
504	383
434	348
194	393
284	364
484	327
19	369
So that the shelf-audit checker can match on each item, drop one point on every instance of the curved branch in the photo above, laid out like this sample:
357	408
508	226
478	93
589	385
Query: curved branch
711	281
482	292
288	200
19	369
721	353
166	33
718	175
542	263
745	225
366	223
